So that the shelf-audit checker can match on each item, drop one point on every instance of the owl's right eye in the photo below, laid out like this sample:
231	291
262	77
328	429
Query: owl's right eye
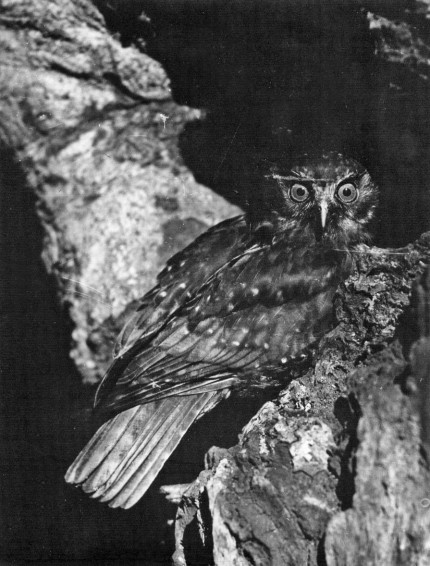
299	193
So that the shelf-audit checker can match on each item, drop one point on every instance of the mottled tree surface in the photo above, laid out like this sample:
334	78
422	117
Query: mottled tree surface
95	130
98	177
334	467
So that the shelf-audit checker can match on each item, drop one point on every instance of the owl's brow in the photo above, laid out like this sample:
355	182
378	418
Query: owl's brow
297	176
349	177
288	177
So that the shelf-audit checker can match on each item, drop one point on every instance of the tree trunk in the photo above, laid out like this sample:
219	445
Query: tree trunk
332	471
335	470
94	129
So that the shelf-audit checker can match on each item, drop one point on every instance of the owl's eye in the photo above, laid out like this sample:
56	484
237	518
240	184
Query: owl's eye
347	193
299	193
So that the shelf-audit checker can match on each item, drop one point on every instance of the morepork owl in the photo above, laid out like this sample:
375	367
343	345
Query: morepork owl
242	301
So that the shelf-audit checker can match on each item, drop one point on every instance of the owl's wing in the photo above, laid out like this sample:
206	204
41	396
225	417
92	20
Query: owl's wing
258	310
182	277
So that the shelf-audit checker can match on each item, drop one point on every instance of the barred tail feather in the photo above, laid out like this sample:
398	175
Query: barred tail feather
126	453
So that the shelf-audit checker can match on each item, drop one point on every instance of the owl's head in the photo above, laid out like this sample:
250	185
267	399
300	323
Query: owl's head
329	198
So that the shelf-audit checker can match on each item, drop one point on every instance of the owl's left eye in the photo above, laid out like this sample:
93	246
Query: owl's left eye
347	193
299	193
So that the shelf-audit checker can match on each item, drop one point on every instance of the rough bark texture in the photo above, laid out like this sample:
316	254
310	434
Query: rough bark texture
337	456
95	130
334	471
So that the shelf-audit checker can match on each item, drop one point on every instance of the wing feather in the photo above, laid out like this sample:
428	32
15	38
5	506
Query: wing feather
126	453
183	275
220	318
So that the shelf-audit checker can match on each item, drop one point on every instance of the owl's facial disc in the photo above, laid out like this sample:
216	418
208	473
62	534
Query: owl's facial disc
333	203
329	198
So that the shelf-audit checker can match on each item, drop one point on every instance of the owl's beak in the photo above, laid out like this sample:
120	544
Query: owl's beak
320	218
323	214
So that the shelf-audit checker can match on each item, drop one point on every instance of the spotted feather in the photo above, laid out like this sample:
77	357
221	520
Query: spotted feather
244	299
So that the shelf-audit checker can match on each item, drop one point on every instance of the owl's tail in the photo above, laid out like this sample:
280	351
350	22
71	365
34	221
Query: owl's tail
127	452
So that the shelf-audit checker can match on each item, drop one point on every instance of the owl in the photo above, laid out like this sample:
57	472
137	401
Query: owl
241	303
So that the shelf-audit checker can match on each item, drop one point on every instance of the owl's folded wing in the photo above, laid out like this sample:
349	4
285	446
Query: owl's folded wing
182	277
226	332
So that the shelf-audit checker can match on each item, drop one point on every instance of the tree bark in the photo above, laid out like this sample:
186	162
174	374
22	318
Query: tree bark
94	129
332	471
335	470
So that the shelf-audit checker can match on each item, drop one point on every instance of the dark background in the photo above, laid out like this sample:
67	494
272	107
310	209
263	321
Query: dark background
276	78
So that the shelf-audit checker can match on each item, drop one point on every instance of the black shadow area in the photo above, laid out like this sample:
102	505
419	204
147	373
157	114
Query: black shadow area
282	78
46	418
